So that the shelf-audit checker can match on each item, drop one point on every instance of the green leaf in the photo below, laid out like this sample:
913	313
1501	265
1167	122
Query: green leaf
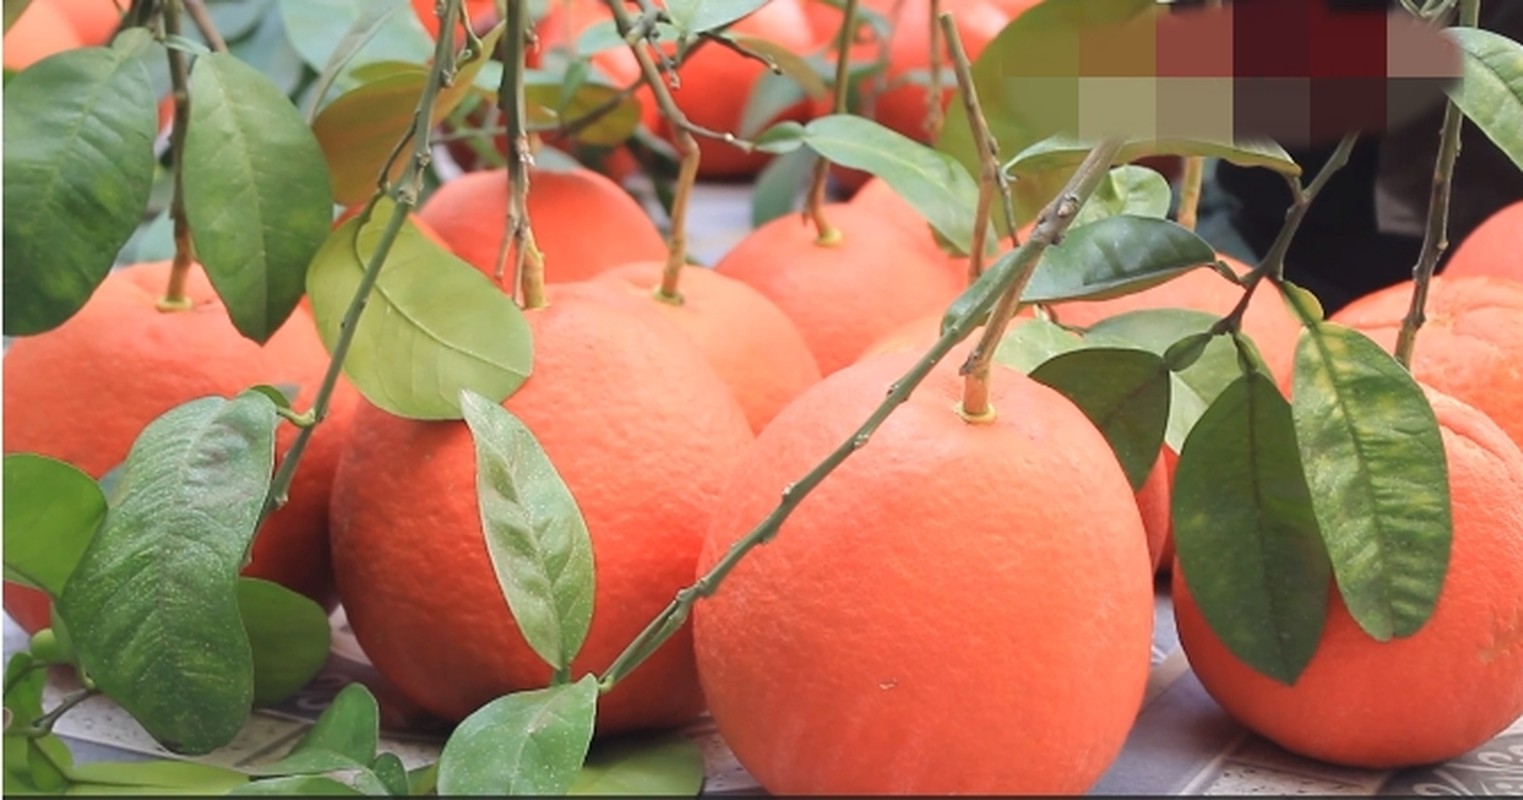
933	183
344	737
770	96
455	327
1030	343
309	785
14	9
670	765
152	608
693	16
423	780
1061	152
794	66
1379	478
256	192
48	761
528	743
1491	89
359	130
78	163
1124	392
289	635
1247	540
24	684
549	102
52	511
391	773
784	137
779	185
1115	256
156	776
1197	386
1128	190
332	33
535	533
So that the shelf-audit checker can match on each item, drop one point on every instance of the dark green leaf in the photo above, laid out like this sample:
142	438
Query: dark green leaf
392	774
1379	477
359	130
1491	91
692	16
780	185
78	164
1115	256
344	737
1129	190
310	785
933	183
535	533
256	192
289	635
455	327
1124	392
155	777
1247	540
669	765
529	743
152	607
52	511
1030	343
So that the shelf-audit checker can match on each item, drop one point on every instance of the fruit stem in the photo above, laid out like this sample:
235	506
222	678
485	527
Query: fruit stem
1011	269
933	113
990	176
205	24
518	233
1054	220
1190	184
405	194
1273	264
174	298
827	234
1436	233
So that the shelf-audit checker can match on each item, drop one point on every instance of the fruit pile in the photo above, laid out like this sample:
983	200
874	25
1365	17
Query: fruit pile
965	605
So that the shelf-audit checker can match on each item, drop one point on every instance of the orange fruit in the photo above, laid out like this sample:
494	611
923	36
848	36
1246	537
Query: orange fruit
83	391
583	222
995	569
94	20
42	30
1153	503
842	297
1470	348
642	432
1268	322
1494	248
716	85
1426	698
748	341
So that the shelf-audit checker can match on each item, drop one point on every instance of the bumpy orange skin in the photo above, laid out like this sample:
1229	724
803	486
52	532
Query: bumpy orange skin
1427	698
1470	347
583	222
642	432
1495	248
842	297
956	609
748	341
84	391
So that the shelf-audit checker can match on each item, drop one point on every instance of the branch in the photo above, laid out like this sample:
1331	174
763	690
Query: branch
174	298
204	23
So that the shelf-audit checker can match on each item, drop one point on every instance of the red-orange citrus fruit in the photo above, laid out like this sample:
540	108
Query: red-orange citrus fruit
93	20
83	391
583	222
642	432
42	30
748	341
958	608
1425	698
1471	346
480	12
1494	248
843	296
